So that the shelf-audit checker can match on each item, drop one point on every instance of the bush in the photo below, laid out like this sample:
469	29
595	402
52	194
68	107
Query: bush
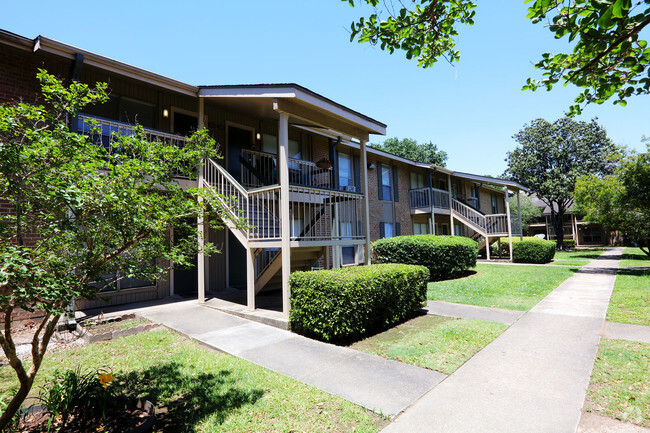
349	302
444	256
531	250
569	243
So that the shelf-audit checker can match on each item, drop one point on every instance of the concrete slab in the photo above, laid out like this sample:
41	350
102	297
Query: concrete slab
241	338
531	378
449	309
593	423
624	331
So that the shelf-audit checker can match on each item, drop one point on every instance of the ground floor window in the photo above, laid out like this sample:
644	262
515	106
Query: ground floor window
420	228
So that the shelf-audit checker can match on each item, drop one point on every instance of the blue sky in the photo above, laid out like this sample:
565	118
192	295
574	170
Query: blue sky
471	110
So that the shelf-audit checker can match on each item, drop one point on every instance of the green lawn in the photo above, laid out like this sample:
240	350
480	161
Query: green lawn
502	286
438	343
576	257
620	382
634	257
202	390
630	301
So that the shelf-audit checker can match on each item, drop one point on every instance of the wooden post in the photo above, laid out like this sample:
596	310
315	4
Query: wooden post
363	163
451	206
521	227
200	260
285	218
509	228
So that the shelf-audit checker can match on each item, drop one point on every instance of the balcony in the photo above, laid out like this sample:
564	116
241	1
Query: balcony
103	131
423	200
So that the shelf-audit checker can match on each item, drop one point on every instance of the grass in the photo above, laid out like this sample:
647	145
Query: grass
118	325
634	257
620	382
576	257
437	343
202	390
512	287
630	302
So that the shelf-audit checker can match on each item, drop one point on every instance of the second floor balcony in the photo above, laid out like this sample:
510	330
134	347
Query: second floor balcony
426	200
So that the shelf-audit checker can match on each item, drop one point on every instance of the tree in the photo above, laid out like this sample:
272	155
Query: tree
620	201
409	148
608	57
81	211
554	155
529	211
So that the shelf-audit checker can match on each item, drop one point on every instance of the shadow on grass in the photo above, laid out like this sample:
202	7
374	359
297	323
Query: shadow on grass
187	398
636	256
633	272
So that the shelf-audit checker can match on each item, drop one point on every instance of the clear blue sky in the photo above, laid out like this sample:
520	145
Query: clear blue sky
471	111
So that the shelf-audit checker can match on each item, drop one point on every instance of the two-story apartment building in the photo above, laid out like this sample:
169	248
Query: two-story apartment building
294	164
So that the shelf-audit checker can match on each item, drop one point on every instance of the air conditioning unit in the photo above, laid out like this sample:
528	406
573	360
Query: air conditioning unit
350	188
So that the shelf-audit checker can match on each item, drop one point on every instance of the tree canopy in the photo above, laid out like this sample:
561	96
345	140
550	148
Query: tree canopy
609	59
552	156
620	201
529	211
409	148
81	211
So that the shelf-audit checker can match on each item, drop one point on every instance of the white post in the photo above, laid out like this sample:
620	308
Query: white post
451	206
285	218
363	163
250	279
573	226
432	218
521	226
577	232
509	228
200	260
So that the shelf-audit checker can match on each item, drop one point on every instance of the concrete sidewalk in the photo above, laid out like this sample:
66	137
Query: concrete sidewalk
379	384
534	376
489	314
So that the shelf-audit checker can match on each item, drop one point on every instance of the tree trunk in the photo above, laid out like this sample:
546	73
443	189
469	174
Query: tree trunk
558	227
15	403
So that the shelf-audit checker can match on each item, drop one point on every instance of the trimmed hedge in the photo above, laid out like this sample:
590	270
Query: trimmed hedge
444	256
345	303
531	250
569	243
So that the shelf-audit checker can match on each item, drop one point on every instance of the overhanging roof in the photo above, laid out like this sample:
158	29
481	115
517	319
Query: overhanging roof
491	180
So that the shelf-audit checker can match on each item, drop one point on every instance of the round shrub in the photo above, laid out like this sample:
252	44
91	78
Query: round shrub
532	250
345	303
444	256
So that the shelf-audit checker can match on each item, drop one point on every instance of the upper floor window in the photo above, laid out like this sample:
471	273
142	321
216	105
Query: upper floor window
417	180
346	172
494	203
386	183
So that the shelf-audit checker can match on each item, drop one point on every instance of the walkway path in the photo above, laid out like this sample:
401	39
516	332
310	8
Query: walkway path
534	376
376	383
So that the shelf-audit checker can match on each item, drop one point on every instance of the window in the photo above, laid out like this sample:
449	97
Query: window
346	174
420	228
443	229
348	252
417	180
494	203
386	184
388	230
269	144
458	230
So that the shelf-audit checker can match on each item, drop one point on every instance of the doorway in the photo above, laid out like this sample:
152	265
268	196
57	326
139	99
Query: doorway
237	140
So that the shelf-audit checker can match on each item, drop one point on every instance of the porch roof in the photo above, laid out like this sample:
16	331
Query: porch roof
491	180
306	107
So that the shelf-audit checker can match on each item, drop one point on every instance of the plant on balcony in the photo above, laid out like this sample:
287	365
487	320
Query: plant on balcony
444	256
79	211
324	163
346	303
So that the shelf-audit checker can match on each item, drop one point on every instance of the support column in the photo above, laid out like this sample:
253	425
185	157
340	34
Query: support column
577	233
200	260
521	227
250	279
285	218
509	227
363	163
451	207
573	227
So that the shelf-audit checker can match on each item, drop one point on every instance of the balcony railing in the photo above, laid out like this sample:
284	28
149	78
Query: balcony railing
104	131
260	169
421	198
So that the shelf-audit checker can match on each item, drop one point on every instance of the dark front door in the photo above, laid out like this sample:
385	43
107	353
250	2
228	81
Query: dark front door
238	139
186	281
184	124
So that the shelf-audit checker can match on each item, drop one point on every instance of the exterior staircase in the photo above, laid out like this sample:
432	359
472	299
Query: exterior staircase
252	218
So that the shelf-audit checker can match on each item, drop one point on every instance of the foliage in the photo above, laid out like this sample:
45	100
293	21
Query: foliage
533	250
5	398
410	149
514	287
82	211
608	57
349	302
444	256
620	201
82	393
552	156
529	211
569	243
